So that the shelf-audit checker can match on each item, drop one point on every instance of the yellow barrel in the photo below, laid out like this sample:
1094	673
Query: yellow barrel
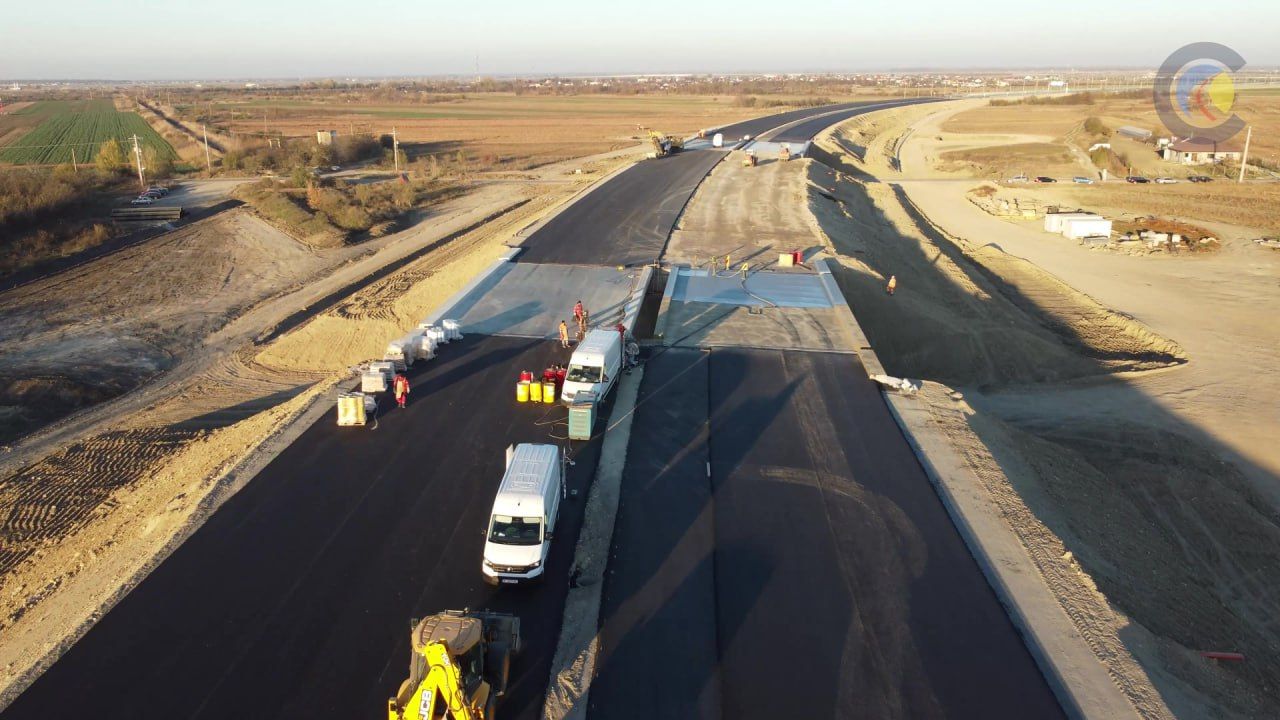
549	392
535	391
522	391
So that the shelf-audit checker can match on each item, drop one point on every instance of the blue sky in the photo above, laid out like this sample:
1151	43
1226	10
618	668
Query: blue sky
318	38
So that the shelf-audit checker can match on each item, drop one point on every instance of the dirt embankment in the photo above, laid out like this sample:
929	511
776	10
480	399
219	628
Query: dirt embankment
1151	534
91	333
966	315
359	328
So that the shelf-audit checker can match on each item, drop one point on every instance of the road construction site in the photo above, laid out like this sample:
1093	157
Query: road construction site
769	507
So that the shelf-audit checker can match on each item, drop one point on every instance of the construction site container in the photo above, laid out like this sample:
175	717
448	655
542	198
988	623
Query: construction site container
373	381
438	334
522	391
549	392
1054	222
582	415
1086	227
535	392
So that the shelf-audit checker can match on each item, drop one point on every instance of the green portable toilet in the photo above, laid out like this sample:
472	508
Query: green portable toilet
582	415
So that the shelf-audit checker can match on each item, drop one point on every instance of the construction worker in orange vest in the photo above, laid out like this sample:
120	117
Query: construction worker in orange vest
893	284
564	334
400	387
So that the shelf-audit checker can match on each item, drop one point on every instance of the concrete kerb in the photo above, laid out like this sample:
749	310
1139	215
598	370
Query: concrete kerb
573	666
1080	682
631	309
664	308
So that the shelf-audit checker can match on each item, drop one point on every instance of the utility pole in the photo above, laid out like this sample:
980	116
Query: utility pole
74	166
208	163
395	149
137	154
1244	157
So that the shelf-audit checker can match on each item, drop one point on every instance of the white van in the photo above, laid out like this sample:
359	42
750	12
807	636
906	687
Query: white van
524	515
594	365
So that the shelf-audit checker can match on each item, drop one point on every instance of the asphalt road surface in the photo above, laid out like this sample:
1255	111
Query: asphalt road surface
625	221
294	600
756	126
805	129
838	585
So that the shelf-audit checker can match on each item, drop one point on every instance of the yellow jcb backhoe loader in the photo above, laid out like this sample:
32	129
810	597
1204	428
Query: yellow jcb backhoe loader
664	145
460	660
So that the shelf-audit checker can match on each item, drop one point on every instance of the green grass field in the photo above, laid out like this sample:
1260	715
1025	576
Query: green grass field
79	125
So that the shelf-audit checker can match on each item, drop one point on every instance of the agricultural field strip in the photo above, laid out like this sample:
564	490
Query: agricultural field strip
83	126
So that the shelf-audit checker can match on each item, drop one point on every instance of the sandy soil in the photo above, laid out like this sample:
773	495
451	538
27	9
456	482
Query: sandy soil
746	213
1148	483
99	330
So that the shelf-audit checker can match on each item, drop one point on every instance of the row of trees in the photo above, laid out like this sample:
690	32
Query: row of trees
112	158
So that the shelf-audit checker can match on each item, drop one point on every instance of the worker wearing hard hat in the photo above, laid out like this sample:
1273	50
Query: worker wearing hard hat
564	334
893	284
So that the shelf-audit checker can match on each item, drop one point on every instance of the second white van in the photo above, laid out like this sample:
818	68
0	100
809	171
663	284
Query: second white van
523	521
594	365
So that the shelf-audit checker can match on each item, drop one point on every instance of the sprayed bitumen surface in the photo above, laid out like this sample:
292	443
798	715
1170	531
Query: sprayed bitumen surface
838	586
294	600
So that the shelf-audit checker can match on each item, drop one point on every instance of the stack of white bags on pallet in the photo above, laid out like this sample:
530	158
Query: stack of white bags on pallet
356	407
421	344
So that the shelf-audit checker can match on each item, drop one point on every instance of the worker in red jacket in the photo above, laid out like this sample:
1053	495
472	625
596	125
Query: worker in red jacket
400	387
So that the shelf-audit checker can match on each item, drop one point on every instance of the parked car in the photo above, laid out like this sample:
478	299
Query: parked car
335	168
1045	179
1166	180
1018	179
157	189
1082	180
1200	179
153	194
142	200
1136	179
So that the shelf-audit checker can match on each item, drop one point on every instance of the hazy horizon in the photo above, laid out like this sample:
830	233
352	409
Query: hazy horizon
81	40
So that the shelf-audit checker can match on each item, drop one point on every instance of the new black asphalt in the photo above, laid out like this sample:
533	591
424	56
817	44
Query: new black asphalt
805	129
814	573
294	599
626	220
